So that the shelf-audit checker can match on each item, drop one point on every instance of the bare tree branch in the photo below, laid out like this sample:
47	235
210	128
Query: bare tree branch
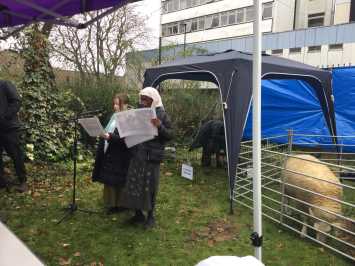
106	42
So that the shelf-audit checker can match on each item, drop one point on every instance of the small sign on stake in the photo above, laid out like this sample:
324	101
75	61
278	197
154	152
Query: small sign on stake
187	171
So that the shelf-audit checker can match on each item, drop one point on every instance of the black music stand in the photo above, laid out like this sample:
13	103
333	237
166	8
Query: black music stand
72	207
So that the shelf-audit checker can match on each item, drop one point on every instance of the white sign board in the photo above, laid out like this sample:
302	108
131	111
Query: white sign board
187	171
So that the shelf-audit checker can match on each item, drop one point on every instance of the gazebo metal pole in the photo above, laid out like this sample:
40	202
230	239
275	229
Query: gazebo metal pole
256	236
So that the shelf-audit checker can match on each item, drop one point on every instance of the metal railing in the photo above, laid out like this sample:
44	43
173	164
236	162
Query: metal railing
290	209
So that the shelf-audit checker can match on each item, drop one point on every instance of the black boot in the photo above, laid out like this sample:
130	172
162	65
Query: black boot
138	218
23	187
150	223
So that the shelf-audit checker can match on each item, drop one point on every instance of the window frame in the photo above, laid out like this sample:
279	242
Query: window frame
336	47
314	48
314	17
295	50
277	51
269	5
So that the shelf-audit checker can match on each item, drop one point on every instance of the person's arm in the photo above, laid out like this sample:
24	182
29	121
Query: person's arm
13	101
165	130
113	137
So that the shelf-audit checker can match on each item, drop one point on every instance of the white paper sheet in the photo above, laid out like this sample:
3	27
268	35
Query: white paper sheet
136	122
92	126
134	140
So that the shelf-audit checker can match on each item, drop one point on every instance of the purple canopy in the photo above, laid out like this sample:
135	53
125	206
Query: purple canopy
24	12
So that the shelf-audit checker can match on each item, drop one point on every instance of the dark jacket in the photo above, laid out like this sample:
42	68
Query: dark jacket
153	150
9	107
111	167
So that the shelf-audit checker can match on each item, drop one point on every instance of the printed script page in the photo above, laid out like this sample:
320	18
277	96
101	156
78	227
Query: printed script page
134	140
92	126
136	122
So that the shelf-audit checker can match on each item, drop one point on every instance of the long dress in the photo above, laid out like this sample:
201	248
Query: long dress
111	166
143	174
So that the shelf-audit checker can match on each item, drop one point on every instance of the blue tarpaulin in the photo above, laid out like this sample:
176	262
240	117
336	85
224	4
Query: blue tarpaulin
344	94
293	104
290	104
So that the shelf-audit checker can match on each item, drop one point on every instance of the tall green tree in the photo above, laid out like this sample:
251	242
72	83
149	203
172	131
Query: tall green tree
44	109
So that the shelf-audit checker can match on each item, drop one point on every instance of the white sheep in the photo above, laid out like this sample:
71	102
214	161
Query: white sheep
298	171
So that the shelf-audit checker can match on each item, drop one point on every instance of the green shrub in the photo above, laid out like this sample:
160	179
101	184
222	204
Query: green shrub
44	108
188	108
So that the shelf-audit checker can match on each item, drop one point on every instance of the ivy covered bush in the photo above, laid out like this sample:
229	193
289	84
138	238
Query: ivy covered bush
44	111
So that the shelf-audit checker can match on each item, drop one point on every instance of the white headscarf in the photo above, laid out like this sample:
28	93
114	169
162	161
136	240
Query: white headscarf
153	94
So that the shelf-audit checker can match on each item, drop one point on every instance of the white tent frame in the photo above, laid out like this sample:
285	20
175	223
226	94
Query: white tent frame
257	212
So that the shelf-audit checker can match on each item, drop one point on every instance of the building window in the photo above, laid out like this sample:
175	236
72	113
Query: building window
267	10
315	48
316	20
224	19
249	14
295	50
182	4
188	3
336	46
176	5
231	17
169	6
182	27
164	7
277	51
164	31
201	23
208	22
215	21
194	25
240	15
195	2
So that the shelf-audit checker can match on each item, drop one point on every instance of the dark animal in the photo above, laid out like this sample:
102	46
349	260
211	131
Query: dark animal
212	140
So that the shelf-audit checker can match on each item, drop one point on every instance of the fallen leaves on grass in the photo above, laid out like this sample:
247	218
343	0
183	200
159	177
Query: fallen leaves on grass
36	194
64	261
280	245
94	263
217	231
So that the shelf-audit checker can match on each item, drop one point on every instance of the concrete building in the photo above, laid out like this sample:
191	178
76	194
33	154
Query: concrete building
310	31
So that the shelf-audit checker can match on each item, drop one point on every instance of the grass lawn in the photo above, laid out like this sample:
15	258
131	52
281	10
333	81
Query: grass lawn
193	223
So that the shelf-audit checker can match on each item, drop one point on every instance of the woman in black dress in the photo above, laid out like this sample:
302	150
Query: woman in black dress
112	160
143	175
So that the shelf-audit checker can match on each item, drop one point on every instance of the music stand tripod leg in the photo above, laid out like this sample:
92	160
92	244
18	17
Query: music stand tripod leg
72	207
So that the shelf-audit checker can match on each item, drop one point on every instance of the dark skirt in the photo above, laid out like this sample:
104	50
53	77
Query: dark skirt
142	184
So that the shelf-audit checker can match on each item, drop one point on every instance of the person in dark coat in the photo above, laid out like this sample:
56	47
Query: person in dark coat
141	189
212	140
10	133
112	160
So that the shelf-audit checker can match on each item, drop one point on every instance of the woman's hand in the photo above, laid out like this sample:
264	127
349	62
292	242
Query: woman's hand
105	136
156	122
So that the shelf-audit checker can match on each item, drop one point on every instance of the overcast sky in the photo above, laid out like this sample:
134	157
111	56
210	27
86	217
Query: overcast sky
151	9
